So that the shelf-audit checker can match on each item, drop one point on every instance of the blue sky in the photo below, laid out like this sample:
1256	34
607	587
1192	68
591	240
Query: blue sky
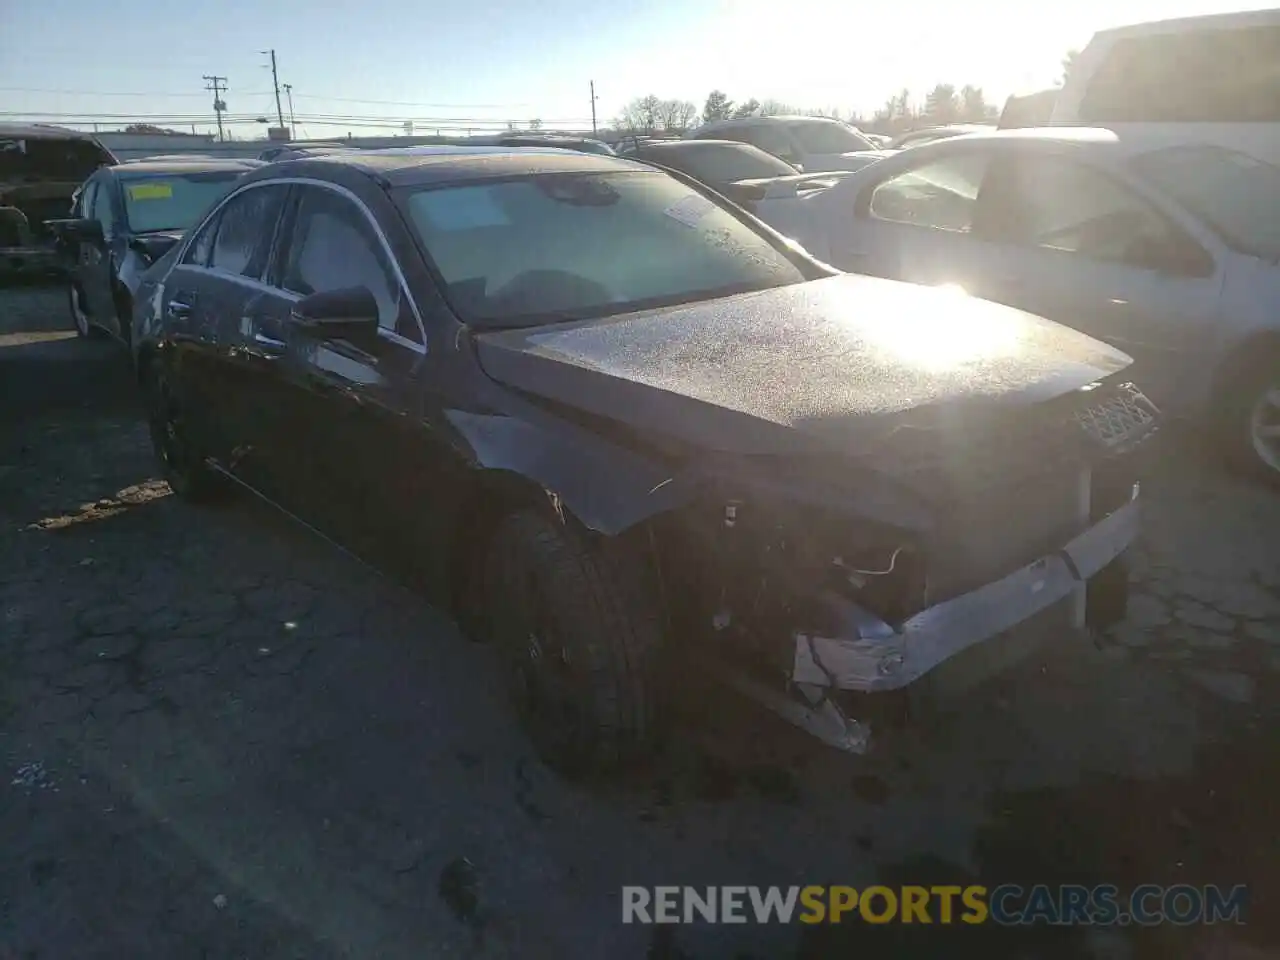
490	61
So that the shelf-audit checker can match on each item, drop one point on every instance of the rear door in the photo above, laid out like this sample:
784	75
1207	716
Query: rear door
217	283
1081	246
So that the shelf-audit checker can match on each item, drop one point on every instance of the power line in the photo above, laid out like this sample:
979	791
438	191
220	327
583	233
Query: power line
259	118
413	103
267	93
112	93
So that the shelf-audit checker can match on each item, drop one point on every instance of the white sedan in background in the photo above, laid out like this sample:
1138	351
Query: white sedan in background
1169	252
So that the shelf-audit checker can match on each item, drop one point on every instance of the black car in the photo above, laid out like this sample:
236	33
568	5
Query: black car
40	168
123	219
614	422
739	171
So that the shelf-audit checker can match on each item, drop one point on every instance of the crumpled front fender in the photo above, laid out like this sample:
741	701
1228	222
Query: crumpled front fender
607	487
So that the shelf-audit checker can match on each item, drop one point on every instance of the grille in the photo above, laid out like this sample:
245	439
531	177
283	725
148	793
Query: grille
1120	421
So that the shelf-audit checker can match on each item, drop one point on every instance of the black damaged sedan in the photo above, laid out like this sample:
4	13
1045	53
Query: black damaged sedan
617	425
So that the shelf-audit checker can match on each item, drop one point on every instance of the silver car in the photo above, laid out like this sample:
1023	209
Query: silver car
1170	252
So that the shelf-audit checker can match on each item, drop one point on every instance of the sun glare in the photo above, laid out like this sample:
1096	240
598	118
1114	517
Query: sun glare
946	331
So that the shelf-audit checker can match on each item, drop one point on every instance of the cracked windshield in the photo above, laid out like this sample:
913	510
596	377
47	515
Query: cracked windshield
687	481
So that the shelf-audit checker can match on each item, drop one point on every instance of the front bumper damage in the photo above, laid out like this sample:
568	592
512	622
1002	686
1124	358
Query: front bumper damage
872	656
860	655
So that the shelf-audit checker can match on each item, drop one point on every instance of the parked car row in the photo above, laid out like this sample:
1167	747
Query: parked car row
617	423
41	166
122	219
1169	253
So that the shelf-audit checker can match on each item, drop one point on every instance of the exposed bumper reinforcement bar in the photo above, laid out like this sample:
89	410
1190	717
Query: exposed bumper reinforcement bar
873	656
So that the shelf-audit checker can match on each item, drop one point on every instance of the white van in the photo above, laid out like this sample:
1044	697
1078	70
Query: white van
1211	79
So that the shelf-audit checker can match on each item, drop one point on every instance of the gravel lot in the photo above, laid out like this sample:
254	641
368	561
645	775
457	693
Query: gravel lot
224	739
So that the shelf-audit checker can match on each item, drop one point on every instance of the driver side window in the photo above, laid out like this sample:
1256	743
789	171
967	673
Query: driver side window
102	209
1066	206
941	194
333	247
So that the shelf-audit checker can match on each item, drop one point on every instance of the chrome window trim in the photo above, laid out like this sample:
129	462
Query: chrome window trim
259	284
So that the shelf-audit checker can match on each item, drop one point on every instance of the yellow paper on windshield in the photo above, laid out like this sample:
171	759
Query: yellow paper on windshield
150	191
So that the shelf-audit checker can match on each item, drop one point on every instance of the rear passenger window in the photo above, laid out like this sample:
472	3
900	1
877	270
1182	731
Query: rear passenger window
244	229
769	138
1072	209
1206	76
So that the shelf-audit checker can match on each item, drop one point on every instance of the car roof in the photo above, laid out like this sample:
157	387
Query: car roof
186	166
949	127
416	166
1240	19
1094	141
41	131
759	121
1067	137
694	144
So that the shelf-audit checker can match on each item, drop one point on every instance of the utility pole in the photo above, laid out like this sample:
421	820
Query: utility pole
218	85
593	108
275	82
288	92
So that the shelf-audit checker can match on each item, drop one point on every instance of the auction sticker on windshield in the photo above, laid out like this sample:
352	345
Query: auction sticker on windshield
690	210
150	191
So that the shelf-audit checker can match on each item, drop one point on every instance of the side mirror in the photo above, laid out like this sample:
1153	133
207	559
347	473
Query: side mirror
79	229
347	314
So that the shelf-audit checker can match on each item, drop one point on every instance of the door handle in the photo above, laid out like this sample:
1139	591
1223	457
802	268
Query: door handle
179	309
271	343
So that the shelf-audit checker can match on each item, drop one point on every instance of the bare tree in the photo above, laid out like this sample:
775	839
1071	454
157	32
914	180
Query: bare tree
642	115
777	108
749	109
676	115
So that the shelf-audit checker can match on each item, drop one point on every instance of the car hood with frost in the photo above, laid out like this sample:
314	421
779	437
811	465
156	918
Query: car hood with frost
827	364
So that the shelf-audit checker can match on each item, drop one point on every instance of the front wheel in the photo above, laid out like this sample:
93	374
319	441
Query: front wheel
579	635
180	459
1251	418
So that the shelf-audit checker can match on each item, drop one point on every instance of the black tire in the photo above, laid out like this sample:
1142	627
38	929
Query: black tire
79	315
124	316
578	631
180	461
1244	393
